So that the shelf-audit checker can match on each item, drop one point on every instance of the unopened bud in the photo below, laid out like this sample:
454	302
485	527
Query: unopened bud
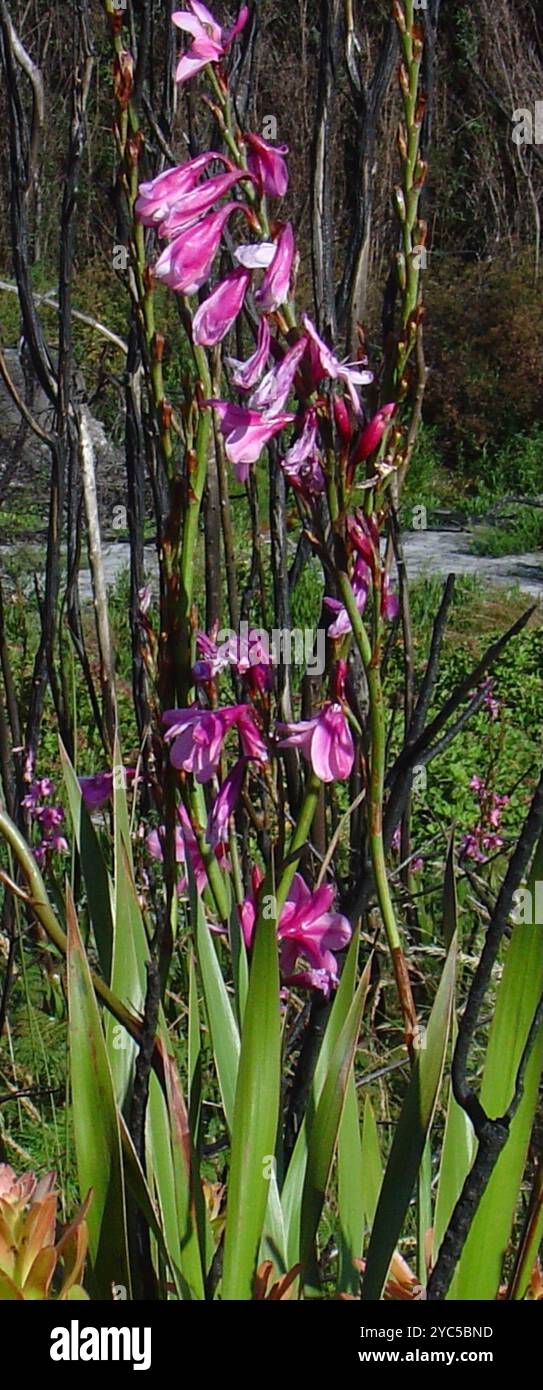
421	170
134	146
420	108
123	77
418	41
116	21
158	346
421	232
399	203
165	415
403	78
343	421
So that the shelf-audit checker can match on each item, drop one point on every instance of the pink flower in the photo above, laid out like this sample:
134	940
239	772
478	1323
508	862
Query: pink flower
190	207
186	264
210	41
49	817
256	255
252	742
214	659
373	433
272	394
246	374
301	462
326	741
306	444
225	804
248	654
97	790
275	286
491	703
360	585
156	198
185	843
246	433
325	364
37	792
307	477
217	314
197	736
306	929
267	164
478	843
390	603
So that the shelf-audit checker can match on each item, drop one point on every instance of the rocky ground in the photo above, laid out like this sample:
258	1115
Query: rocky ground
427	553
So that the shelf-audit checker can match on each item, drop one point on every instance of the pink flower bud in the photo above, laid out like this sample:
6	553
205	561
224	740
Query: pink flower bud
373	433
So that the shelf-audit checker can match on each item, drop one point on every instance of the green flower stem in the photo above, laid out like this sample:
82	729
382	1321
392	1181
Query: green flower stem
197	461
375	796
237	878
407	202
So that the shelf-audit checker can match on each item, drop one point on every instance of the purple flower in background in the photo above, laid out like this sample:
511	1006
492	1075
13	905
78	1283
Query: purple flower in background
48	819
98	789
491	703
308	476
268	165
210	41
390	603
249	655
275	286
244	375
217	313
197	737
307	929
483	840
213	660
185	844
37	792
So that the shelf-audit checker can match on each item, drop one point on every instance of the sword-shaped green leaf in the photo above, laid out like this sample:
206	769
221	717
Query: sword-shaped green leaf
256	1113
480	1267
410	1136
96	1125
